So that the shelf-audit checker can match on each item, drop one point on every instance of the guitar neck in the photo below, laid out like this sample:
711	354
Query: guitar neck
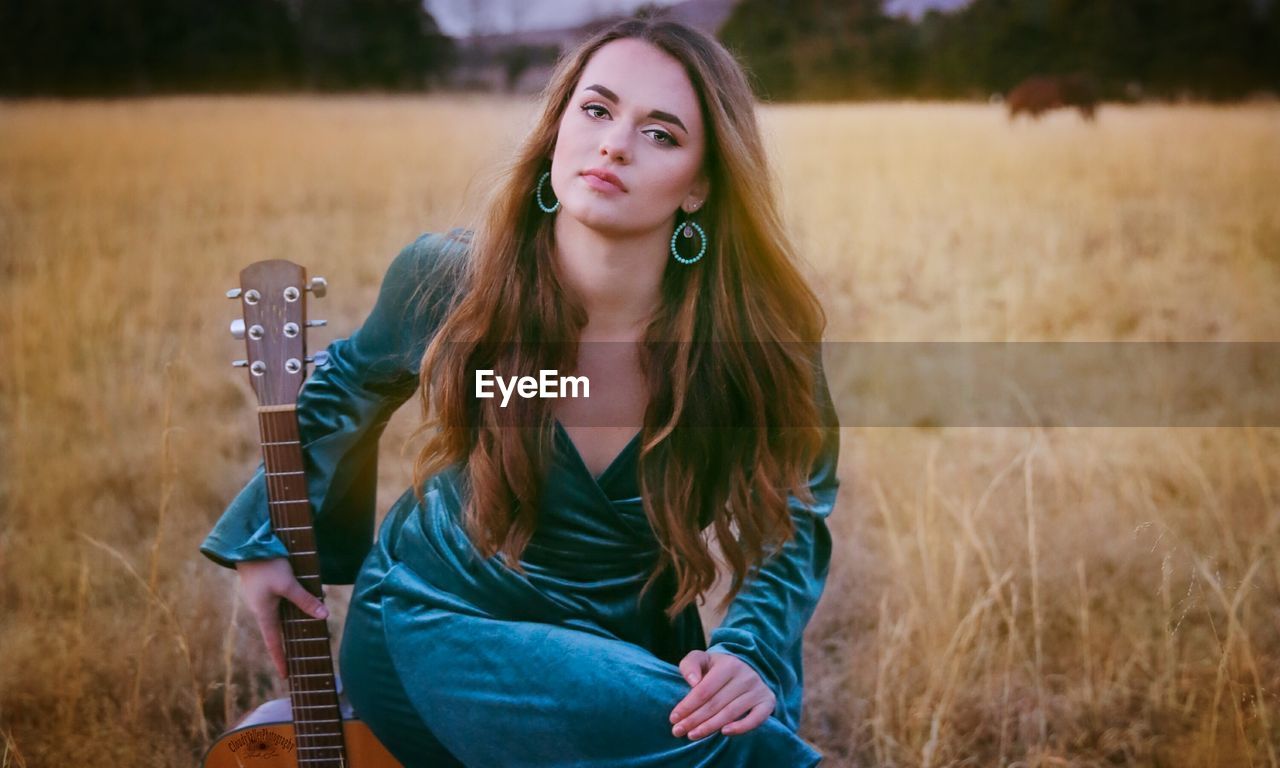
312	689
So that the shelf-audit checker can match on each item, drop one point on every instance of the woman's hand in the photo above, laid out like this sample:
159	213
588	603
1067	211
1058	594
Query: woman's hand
263	583
727	696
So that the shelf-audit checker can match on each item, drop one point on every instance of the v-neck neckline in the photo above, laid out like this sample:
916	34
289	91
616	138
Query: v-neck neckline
609	470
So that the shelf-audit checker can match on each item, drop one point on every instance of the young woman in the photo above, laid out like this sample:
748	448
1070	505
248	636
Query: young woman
532	601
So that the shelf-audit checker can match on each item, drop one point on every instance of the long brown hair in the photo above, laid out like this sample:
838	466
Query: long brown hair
743	320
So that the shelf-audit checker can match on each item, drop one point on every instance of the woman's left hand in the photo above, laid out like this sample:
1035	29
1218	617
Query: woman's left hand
727	696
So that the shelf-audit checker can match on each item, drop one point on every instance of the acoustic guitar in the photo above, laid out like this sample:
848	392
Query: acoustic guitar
315	726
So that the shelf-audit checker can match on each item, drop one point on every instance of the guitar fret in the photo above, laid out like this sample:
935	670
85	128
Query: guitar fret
282	474
314	758
289	501
292	527
307	658
304	552
306	639
313	706
284	442
315	674
301	620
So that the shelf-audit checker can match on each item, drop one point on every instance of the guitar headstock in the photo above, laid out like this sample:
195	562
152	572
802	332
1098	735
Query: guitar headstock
273	324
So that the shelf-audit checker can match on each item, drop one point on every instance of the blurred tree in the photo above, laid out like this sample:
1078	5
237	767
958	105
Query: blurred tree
390	44
820	49
1167	47
803	49
74	47
517	59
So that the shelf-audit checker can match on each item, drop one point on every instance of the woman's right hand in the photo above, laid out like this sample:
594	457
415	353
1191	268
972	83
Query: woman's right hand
263	583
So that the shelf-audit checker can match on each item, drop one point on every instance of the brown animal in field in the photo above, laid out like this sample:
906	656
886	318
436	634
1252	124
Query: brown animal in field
1045	92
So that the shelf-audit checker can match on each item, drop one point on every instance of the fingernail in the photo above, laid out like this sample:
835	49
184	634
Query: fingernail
322	612
677	731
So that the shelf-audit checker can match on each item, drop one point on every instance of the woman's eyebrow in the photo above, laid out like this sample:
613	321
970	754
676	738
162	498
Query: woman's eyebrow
657	113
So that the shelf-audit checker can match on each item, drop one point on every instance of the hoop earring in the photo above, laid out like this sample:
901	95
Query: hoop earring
538	193
688	227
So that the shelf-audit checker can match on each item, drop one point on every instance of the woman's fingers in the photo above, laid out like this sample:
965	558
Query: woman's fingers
712	681
269	625
306	602
264	583
268	615
730	697
693	665
696	722
754	717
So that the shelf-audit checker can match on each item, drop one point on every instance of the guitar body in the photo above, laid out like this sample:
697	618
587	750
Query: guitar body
263	740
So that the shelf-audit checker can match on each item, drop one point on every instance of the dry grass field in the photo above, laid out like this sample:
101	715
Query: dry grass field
998	596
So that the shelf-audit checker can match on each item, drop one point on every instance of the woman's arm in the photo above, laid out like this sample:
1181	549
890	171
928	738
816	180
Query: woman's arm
343	408
766	620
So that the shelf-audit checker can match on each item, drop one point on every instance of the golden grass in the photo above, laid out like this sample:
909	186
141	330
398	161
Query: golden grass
1019	597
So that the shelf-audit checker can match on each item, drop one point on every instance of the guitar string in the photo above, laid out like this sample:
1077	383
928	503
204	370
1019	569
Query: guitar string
278	487
296	519
302	511
277	491
274	494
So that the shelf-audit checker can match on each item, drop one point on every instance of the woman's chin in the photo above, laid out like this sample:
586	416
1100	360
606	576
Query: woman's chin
600	216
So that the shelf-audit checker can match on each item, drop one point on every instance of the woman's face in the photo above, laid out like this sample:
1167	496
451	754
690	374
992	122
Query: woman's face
634	114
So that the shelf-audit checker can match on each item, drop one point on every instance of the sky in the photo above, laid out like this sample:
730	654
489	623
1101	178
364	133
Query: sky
454	16
916	8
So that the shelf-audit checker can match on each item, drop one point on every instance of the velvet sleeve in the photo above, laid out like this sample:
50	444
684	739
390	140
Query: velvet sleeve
343	408
765	621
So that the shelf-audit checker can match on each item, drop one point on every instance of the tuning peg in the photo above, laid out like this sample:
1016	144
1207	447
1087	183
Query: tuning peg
318	287
237	328
234	293
316	323
240	363
319	358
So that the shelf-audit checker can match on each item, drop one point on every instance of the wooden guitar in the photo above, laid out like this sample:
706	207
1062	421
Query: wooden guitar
315	726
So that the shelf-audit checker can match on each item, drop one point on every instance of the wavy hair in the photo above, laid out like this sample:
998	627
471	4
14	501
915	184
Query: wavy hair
731	344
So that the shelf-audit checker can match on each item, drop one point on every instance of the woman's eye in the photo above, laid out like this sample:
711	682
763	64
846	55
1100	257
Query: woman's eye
663	137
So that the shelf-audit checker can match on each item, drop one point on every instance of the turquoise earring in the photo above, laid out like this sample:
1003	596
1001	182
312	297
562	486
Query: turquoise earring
542	205
687	230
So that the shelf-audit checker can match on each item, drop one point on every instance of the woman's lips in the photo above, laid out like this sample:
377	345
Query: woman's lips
597	183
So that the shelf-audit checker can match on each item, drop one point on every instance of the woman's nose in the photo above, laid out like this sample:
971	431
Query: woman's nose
614	145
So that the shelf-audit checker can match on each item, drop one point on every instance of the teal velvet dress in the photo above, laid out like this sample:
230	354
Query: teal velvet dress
454	659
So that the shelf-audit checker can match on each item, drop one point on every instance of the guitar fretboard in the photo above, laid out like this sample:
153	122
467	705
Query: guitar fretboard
308	656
